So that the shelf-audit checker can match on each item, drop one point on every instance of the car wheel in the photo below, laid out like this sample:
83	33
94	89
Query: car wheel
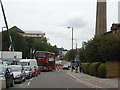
7	86
36	74
39	72
24	79
29	76
21	80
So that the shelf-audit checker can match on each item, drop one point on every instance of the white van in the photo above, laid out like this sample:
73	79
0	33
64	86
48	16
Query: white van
29	62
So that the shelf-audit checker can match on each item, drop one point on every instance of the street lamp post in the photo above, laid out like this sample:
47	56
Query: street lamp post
72	49
76	44
3	28
72	36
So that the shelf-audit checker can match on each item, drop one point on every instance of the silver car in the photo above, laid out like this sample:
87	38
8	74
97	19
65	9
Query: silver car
66	66
28	71
18	72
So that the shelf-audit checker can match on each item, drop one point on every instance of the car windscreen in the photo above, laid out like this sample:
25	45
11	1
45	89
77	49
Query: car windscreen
16	69
24	63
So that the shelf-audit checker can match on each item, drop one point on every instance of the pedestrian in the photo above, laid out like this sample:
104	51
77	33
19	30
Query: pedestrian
76	67
80	67
72	66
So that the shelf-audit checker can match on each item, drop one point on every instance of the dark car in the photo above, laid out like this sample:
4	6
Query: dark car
6	77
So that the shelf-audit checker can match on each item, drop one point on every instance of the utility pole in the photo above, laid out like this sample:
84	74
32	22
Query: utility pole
72	36
76	44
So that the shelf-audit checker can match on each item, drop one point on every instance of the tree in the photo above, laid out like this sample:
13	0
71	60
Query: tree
82	55
27	44
18	42
70	55
110	48
30	42
41	46
101	49
91	49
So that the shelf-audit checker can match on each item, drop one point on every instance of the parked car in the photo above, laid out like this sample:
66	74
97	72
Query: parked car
35	71
28	71
66	66
18	72
69	64
6	77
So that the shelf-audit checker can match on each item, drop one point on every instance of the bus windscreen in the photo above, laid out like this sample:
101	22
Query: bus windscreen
40	54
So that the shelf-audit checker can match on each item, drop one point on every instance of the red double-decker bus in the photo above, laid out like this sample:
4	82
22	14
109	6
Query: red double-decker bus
45	60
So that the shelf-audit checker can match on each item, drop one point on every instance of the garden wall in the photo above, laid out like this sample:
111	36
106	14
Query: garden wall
112	69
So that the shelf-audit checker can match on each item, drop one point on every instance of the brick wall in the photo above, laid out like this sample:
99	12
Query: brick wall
112	69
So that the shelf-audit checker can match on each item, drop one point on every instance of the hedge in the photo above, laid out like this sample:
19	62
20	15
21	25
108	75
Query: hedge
102	71
93	68
85	68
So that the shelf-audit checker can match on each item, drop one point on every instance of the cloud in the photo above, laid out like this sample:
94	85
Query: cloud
76	22
48	1
61	33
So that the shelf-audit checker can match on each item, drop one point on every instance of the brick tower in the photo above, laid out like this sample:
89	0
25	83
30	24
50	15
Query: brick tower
119	12
101	18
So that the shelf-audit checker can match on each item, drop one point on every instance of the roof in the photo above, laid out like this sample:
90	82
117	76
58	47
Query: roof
15	28
14	66
34	32
115	26
27	60
46	52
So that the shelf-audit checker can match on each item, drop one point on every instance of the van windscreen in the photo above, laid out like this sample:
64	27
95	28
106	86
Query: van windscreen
24	63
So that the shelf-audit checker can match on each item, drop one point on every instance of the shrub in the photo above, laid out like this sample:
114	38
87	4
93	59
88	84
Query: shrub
102	71
93	68
85	67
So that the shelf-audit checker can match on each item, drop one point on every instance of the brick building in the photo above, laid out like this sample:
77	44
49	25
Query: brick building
14	28
115	29
35	34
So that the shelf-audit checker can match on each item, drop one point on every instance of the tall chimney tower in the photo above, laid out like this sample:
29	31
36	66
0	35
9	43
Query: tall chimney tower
119	12
101	24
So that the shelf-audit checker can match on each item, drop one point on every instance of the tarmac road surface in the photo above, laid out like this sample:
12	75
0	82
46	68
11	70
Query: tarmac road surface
55	79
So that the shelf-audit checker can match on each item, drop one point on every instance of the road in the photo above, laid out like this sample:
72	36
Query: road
53	79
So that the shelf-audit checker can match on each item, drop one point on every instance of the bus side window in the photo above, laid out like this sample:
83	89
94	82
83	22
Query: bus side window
50	55
47	55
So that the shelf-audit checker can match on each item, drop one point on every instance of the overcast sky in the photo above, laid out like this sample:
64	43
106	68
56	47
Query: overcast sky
54	16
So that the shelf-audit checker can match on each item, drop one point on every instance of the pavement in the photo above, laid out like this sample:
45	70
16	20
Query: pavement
95	82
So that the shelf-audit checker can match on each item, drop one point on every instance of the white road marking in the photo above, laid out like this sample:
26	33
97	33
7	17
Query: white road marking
67	89
29	83
21	84
31	79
